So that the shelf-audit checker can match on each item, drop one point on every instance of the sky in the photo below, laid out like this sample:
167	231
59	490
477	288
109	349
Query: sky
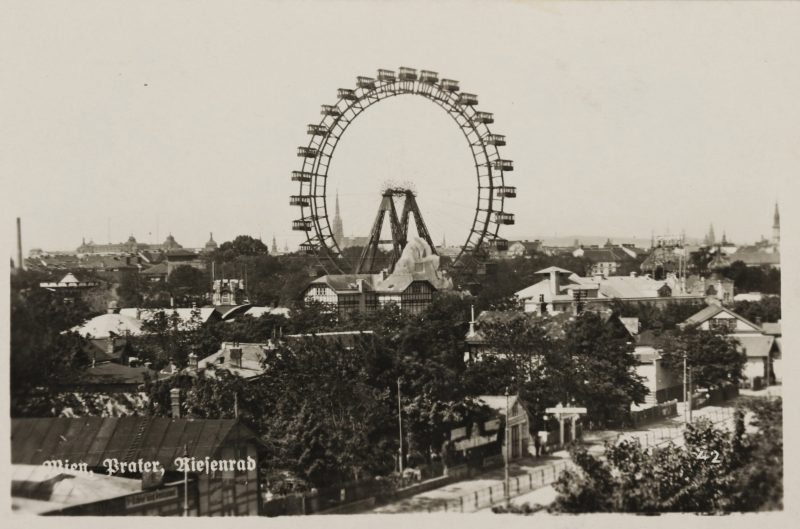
150	118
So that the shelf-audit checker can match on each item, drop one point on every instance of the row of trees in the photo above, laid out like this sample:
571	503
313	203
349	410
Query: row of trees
716	470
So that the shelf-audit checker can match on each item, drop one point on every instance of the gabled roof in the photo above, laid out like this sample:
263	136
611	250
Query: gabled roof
105	325
159	269
600	255
553	269
498	402
93	439
711	311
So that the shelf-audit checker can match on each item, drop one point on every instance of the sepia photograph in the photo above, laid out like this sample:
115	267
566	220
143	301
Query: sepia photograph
518	261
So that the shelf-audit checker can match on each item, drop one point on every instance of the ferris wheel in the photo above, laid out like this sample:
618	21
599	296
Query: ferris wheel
490	167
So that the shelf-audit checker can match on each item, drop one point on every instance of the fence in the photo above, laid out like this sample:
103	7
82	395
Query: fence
520	484
659	411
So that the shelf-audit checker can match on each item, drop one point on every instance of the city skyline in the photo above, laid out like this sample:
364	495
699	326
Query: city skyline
608	135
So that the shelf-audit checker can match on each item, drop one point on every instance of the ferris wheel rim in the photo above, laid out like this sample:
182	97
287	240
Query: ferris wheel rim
486	157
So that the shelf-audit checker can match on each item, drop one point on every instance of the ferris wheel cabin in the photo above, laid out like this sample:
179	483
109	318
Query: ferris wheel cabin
495	139
299	200
317	130
386	76
407	74
301	225
429	77
449	85
503	165
365	82
302	176
467	99
506	191
347	94
504	218
306	152
483	117
330	110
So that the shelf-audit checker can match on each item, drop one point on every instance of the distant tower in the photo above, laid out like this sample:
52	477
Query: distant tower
20	265
711	239
776	227
444	241
285	246
211	245
724	238
338	229
274	248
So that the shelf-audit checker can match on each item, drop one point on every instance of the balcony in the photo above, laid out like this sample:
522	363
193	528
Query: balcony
302	176
483	117
301	225
299	200
365	82
495	139
503	165
427	76
386	76
407	74
330	110
467	99
504	218
317	130
449	85
307	152
346	94
506	191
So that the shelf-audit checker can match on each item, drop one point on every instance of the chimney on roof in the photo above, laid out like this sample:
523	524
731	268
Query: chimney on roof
19	245
175	401
192	362
554	282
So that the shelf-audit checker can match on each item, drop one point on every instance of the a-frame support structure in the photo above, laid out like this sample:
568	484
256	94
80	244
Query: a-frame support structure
399	229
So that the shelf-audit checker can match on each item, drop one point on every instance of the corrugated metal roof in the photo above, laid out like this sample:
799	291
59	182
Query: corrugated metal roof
93	439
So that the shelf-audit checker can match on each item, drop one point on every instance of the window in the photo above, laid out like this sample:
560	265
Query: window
722	324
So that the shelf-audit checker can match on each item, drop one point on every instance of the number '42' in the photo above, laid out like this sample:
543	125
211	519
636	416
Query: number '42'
711	456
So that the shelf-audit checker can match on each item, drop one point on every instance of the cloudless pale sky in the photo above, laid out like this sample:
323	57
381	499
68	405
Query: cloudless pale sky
184	117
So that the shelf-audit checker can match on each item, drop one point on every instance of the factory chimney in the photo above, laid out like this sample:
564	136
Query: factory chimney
19	245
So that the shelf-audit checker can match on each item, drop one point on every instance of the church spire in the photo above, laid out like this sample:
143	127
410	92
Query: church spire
338	228
776	226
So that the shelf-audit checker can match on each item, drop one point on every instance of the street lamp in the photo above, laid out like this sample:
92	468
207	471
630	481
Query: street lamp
507	447
400	423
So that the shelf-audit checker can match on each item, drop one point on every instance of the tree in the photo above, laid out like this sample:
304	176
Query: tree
43	350
604	375
242	245
713	358
588	360
717	470
188	281
766	310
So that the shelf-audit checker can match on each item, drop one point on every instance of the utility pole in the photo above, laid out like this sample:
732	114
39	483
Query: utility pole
185	480
685	400
690	394
505	459
400	423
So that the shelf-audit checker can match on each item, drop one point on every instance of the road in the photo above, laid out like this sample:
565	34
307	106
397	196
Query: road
531	478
